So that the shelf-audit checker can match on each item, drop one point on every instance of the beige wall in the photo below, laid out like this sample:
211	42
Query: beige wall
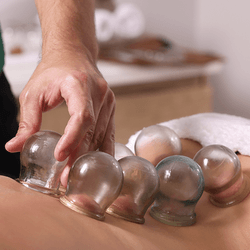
217	26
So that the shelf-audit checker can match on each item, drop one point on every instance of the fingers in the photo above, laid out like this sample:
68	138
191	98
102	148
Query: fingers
64	176
81	122
108	145
90	113
104	135
30	121
78	127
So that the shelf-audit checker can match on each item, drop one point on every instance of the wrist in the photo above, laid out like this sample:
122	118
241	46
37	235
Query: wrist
70	52
68	26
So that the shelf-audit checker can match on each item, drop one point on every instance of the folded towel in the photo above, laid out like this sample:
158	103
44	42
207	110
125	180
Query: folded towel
211	128
104	24
129	21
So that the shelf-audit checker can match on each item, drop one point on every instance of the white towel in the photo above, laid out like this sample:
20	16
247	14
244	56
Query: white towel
129	21
211	128
104	24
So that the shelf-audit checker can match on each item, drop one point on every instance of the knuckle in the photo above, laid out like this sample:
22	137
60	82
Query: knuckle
102	89
22	126
89	118
24	97
86	116
111	98
103	85
74	80
98	140
89	135
81	76
25	126
28	94
112	137
71	81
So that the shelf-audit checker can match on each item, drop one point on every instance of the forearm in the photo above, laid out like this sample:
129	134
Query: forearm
68	25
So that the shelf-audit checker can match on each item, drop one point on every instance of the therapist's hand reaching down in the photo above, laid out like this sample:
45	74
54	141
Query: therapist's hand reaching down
90	102
68	72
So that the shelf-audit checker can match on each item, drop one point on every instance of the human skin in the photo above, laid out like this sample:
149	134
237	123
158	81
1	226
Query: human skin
67	72
32	220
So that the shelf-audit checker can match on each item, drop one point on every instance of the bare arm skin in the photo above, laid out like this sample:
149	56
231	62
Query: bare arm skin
68	72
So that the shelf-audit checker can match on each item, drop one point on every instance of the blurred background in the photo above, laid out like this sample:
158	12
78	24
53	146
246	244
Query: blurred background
214	30
216	26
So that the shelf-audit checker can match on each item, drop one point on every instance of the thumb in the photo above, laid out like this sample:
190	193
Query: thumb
30	122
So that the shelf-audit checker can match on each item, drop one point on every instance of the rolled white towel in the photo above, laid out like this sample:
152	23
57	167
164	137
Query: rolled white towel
210	128
129	21
104	24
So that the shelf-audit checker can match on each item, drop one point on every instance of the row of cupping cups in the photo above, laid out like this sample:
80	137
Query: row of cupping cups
125	22
126	186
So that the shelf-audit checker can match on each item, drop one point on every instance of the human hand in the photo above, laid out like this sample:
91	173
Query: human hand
73	77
